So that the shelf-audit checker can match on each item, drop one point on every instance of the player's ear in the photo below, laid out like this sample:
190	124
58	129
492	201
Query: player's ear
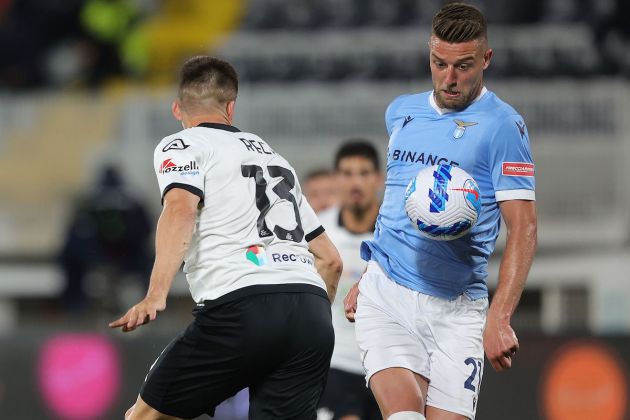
176	110
229	110
486	58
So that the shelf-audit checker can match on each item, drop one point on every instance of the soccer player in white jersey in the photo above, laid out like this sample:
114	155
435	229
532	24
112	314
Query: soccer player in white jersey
359	182
422	317
259	265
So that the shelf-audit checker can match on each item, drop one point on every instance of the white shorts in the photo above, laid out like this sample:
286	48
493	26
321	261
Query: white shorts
437	338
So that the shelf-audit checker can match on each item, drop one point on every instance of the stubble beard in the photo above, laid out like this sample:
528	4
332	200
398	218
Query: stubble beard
457	105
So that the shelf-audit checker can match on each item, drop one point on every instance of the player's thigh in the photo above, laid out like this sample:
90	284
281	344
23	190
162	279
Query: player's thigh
142	411
198	369
398	389
457	363
387	334
293	388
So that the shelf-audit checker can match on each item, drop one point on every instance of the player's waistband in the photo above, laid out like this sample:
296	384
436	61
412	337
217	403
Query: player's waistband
259	289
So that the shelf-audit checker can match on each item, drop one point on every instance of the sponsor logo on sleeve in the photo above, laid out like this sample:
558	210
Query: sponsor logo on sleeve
168	166
517	169
177	144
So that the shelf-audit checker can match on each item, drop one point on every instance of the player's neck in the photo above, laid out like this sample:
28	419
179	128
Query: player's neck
195	120
359	221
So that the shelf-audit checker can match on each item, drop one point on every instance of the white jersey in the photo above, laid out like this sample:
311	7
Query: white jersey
253	223
346	355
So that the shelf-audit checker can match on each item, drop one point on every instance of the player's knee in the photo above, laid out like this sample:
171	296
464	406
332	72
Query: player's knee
406	415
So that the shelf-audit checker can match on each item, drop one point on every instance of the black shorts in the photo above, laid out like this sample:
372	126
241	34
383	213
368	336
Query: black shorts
346	394
277	340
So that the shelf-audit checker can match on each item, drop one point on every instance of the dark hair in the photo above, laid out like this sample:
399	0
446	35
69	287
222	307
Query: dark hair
459	22
357	147
204	78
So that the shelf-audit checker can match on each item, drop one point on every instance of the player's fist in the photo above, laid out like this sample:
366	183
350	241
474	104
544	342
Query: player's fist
142	313
350	302
500	343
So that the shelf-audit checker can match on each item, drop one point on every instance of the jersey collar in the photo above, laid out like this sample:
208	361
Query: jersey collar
443	111
220	126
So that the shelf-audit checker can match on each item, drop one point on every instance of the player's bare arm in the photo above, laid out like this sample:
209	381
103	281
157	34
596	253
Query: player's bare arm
327	261
500	342
174	232
350	302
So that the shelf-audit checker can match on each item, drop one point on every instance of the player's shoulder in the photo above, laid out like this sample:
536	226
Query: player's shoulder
402	102
507	122
499	109
206	136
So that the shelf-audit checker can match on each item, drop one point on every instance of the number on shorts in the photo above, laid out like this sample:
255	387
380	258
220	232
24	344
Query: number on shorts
469	382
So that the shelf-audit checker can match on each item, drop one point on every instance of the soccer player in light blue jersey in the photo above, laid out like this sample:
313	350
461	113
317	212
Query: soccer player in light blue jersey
421	308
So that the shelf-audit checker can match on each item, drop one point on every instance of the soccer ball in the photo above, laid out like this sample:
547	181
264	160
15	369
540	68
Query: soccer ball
443	202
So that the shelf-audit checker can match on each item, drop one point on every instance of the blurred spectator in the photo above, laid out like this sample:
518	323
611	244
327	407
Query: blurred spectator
320	190
69	42
109	232
116	42
28	28
612	35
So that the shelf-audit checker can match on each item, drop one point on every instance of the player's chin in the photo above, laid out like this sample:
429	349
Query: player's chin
457	102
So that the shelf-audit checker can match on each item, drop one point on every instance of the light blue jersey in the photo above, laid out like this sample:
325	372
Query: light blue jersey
488	140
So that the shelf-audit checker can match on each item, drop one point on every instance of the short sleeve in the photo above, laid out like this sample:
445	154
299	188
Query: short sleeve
310	222
511	162
178	163
391	115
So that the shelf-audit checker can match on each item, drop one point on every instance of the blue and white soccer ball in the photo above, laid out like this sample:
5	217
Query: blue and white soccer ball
443	202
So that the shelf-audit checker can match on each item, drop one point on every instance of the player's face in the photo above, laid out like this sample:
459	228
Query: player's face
358	183
321	192
457	71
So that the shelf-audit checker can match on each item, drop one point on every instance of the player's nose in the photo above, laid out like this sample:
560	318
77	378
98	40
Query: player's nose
451	77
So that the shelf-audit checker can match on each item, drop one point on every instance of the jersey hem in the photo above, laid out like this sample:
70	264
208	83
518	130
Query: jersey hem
314	234
521	194
259	289
187	187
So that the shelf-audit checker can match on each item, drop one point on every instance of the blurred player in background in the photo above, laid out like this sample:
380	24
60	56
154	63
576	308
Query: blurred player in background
259	265
320	189
359	182
422	303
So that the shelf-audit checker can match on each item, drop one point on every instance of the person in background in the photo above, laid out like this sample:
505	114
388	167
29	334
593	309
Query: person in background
109	231
320	189
359	183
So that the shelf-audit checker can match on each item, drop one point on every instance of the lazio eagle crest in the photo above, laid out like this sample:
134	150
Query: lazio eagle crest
461	128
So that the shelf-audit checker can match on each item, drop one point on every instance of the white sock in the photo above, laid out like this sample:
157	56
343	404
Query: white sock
406	415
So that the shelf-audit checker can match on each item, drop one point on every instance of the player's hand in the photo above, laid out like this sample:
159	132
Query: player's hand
142	313
350	302
500	343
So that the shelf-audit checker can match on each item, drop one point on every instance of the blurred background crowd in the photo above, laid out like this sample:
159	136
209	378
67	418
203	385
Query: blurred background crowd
85	91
